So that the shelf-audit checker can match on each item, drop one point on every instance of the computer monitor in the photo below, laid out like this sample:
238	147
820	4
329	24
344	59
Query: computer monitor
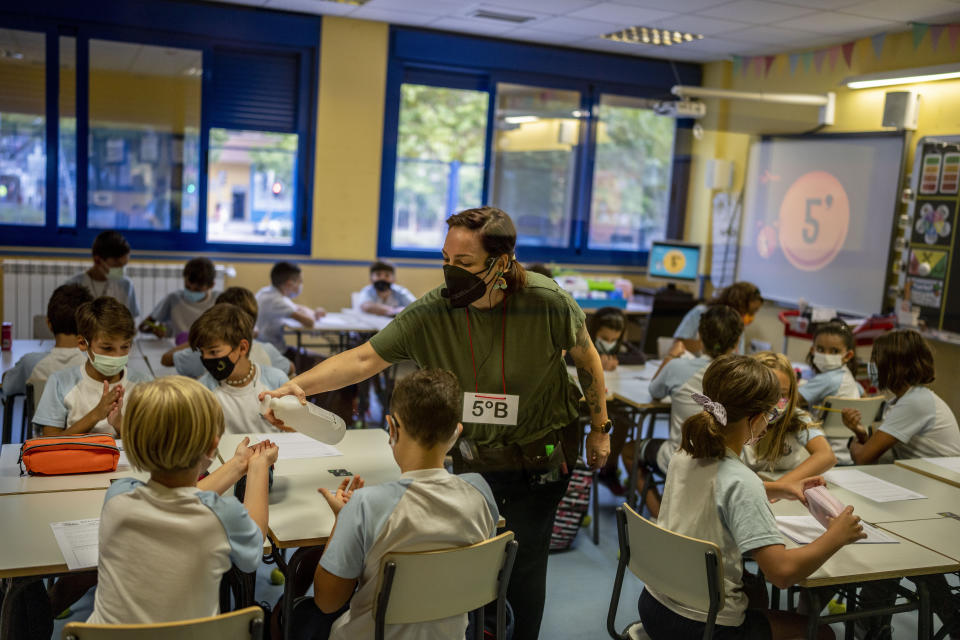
674	260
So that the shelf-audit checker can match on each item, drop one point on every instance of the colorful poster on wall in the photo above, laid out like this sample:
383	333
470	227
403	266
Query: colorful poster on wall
950	178
933	223
930	175
929	264
925	293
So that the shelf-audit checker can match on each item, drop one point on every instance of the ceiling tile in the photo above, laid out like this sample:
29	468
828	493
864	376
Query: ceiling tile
680	6
755	11
552	7
252	3
831	22
436	7
821	4
697	24
620	13
312	6
579	27
476	25
543	37
392	16
905	11
769	35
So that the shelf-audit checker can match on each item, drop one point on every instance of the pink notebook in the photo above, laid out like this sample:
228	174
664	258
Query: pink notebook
822	505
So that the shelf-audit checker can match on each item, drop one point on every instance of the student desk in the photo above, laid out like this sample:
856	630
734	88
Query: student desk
931	470
29	551
8	359
343	323
151	349
940	497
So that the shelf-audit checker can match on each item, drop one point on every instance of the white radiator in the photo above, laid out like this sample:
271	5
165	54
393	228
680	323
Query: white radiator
28	285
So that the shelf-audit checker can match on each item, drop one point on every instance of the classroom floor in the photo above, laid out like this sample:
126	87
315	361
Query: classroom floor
579	584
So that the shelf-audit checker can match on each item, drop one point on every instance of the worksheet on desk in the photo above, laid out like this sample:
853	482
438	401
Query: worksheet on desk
295	446
869	486
806	529
950	463
78	541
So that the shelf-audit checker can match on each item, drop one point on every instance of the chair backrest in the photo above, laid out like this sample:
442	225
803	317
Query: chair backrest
431	585
40	329
671	563
668	309
235	625
870	412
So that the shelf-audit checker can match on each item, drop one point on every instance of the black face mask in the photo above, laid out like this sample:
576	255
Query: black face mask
381	285
220	368
463	287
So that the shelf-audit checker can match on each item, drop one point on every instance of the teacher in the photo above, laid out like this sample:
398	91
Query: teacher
502	332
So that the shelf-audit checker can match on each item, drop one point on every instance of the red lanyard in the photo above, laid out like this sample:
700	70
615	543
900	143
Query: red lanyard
503	340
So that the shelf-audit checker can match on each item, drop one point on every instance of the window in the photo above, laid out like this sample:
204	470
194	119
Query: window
631	175
559	139
144	119
537	137
23	158
440	152
250	186
187	129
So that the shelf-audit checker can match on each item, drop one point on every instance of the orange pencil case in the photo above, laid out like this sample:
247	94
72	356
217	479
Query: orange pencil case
60	455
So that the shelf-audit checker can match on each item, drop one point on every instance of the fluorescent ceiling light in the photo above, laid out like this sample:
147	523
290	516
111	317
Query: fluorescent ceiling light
520	119
904	76
652	35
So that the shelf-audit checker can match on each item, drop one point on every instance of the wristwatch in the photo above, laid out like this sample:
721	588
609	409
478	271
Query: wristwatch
605	428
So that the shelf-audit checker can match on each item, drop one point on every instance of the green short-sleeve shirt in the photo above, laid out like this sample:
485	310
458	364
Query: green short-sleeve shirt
541	321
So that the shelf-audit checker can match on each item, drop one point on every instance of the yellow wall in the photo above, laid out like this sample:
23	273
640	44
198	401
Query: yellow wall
731	125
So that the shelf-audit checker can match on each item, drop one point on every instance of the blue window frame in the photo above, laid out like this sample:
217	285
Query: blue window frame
548	189
253	72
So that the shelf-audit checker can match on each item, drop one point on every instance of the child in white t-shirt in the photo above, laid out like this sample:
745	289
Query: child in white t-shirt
711	495
111	253
792	443
89	397
223	336
276	304
427	508
165	544
176	312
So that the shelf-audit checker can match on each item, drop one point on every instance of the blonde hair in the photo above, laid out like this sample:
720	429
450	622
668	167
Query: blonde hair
744	387
773	444
170	423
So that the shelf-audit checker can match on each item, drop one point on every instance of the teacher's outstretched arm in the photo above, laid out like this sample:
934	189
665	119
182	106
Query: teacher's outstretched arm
590	374
336	372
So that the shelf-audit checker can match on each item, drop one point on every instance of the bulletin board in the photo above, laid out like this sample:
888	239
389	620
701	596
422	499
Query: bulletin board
931	274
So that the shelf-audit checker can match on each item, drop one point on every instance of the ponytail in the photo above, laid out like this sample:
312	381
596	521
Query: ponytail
702	436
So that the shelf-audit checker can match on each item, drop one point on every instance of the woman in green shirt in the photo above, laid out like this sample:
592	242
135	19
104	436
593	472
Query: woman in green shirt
502	332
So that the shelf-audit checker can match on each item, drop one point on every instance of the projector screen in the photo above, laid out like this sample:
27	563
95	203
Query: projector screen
818	219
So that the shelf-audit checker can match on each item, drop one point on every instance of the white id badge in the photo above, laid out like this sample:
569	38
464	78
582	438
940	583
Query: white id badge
490	408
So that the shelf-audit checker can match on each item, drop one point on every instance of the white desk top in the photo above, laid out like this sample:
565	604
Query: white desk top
20	348
939	534
299	515
931	470
345	320
940	497
29	547
630	383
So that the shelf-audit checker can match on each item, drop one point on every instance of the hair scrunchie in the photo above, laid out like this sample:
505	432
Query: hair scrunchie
715	409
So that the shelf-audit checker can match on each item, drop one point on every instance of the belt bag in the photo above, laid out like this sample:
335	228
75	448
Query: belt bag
59	455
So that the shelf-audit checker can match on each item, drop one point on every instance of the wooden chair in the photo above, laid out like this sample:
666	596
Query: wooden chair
236	625
687	570
870	411
431	585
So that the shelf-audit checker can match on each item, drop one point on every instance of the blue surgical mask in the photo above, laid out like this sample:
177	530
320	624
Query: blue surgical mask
873	374
107	365
194	296
296	292
115	273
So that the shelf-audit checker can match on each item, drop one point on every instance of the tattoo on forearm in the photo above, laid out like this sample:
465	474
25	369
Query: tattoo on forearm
590	392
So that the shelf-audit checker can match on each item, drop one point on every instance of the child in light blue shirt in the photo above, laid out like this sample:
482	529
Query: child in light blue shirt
176	312
832	359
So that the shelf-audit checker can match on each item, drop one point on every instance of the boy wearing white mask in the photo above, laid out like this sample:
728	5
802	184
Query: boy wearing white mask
177	311
89	397
276	305
427	508
832	359
111	252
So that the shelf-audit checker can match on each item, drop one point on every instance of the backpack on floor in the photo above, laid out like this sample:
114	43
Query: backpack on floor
572	508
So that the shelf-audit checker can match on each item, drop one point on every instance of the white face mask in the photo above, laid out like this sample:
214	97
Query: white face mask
605	347
827	361
107	365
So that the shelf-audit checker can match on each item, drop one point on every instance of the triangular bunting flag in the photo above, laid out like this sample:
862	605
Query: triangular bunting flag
737	63
807	58
834	53
758	65
877	42
794	59
767	63
936	31
953	32
818	57
848	53
919	30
